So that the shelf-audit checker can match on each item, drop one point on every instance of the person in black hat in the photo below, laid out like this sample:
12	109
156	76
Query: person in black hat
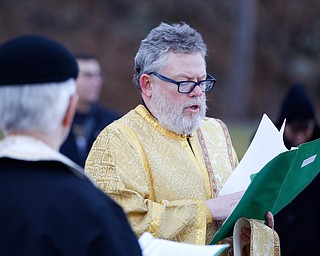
298	224
298	110
48	205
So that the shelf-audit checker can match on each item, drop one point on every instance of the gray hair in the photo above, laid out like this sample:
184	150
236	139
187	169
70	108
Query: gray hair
34	107
154	49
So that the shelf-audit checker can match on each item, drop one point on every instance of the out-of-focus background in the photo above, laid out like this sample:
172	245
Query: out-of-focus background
257	48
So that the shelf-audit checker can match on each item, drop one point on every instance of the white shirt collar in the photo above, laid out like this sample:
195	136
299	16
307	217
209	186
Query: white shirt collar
28	148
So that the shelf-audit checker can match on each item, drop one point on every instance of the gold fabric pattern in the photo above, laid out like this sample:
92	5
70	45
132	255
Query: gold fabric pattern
231	154
207	162
276	241
142	154
264	241
214	191
158	177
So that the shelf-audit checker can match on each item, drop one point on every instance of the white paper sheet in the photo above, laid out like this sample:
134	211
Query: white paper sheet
266	144
152	246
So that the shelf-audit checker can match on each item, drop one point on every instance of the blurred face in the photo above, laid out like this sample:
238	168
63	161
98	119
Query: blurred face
89	81
181	113
298	132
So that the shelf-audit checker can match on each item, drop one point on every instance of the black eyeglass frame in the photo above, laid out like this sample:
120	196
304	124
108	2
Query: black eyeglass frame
210	78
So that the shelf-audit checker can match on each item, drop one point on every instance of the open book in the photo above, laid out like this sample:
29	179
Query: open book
278	182
152	246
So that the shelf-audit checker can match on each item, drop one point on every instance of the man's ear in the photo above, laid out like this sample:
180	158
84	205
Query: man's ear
146	85
71	109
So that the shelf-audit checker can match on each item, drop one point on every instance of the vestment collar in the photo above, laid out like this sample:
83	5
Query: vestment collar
27	148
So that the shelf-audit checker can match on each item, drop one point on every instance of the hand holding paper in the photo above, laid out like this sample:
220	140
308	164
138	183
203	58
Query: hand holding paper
276	185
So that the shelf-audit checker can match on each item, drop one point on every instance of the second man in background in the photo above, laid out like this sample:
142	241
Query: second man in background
90	117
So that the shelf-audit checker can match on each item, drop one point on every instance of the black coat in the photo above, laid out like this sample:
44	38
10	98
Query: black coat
91	125
298	224
48	210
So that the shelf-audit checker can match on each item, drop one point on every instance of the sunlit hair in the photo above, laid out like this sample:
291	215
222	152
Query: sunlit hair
36	108
154	49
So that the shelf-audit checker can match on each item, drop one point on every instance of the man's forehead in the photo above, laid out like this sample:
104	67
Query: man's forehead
185	64
88	65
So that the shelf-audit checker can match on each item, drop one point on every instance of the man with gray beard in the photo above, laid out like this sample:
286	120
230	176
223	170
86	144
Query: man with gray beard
164	162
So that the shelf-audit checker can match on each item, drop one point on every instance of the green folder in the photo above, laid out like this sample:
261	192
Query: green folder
275	186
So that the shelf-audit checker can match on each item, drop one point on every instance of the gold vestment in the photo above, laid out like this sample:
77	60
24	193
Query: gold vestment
160	178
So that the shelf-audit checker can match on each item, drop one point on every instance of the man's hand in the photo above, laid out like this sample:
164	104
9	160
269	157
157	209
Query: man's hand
222	206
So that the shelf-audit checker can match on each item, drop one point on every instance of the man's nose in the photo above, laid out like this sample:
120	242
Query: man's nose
196	92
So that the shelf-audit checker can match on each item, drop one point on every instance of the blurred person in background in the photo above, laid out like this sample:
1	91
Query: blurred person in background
298	224
48	205
301	122
91	117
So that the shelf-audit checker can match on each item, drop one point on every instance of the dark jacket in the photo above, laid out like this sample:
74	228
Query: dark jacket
298	224
48	210
86	128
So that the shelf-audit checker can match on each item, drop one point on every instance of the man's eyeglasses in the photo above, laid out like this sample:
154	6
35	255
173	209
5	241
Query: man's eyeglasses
188	86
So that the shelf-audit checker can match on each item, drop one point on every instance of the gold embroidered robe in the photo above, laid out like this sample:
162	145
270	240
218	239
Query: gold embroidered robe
160	178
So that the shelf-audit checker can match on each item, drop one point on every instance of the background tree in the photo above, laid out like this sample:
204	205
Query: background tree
256	48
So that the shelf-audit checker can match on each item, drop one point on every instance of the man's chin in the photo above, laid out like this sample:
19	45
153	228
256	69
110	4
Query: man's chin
192	125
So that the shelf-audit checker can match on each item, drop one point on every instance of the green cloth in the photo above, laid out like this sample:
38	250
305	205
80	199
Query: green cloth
276	185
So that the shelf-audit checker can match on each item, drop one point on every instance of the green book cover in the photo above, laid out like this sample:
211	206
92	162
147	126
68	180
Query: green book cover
276	185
